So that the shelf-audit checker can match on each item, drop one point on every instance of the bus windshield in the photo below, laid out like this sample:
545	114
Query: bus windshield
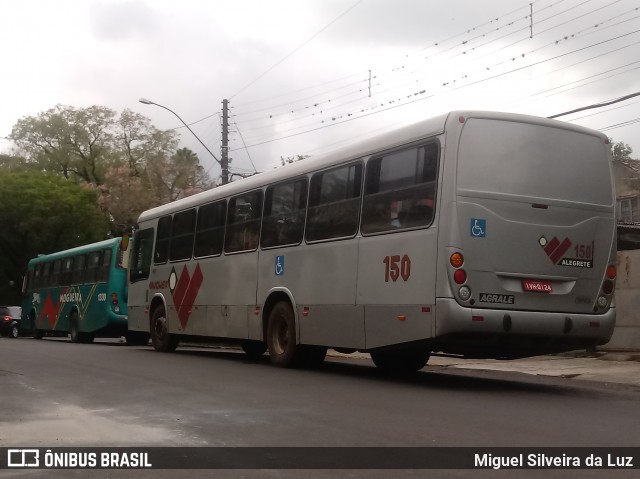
527	160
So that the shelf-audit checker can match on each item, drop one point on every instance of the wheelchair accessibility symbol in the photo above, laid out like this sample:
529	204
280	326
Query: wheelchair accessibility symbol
279	265
478	228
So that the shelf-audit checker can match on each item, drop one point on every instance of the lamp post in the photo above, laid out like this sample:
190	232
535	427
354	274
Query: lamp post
224	167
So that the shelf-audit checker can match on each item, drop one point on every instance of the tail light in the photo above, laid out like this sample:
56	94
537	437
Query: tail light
460	276
608	286
114	303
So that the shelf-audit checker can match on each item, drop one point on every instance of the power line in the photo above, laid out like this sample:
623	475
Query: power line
597	26
245	147
597	105
297	48
435	94
436	44
620	125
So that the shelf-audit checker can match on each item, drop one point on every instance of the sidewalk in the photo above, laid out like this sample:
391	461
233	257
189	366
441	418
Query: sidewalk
606	367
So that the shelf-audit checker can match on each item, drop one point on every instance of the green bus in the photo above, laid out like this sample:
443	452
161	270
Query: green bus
80	292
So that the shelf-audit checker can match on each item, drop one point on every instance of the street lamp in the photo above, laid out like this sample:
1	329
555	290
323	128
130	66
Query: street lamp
225	167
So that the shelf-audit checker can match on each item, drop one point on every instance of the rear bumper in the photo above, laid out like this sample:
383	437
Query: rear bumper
493	333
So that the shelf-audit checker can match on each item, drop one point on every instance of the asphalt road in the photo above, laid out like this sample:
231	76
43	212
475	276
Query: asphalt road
58	394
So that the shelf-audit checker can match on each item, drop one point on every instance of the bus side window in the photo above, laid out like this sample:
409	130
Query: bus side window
141	255
93	269
182	233
334	203
243	222
79	268
67	271
284	212
162	240
210	229
400	190
37	276
105	267
55	275
45	275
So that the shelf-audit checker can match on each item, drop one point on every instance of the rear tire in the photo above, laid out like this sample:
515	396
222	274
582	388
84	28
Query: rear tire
401	360
74	331
14	332
281	336
161	338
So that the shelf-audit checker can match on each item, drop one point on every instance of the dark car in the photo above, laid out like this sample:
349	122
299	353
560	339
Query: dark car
10	320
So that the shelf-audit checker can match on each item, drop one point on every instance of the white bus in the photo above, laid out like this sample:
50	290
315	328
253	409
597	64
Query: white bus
477	234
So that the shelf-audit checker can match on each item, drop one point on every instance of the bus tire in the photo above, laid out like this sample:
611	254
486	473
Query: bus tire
35	332
162	340
281	336
254	349
401	360
74	331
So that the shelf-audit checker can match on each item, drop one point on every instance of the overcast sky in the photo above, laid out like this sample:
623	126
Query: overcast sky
296	72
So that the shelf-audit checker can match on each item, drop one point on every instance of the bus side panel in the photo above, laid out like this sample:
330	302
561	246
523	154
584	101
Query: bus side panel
322	278
396	285
210	297
229	286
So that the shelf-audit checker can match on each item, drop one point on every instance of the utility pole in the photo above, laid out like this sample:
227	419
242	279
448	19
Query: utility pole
224	160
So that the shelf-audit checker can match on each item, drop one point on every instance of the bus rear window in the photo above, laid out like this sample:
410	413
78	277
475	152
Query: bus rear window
532	161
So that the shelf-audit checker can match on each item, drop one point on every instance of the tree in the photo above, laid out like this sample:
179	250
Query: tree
124	195
73	142
621	151
42	213
178	176
130	164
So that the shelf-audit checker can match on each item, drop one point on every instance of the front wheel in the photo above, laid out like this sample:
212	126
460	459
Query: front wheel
37	333
161	338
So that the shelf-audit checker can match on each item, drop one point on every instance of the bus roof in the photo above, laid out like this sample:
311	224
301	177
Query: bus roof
360	149
43	258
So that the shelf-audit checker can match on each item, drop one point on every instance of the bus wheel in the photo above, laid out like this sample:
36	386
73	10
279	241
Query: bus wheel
161	338
281	336
74	332
37	333
254	349
401	360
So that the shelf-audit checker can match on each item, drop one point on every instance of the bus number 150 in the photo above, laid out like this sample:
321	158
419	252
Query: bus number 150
397	267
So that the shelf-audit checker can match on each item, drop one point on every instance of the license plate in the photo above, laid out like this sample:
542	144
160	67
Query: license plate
537	285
